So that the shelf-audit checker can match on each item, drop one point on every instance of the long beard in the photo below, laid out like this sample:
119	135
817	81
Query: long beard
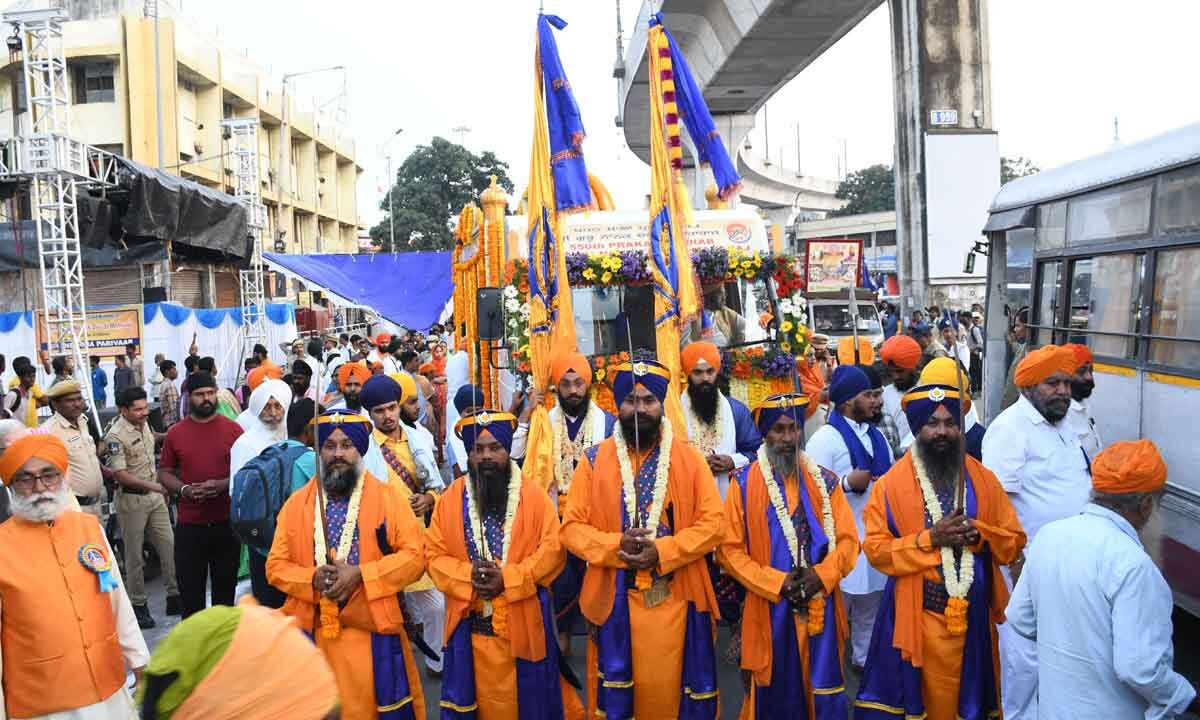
640	431
491	483
578	409
942	460
42	507
704	397
277	430
1152	534
782	458
340	480
353	402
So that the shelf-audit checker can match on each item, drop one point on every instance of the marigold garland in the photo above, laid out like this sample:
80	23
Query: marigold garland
497	607
331	624
629	488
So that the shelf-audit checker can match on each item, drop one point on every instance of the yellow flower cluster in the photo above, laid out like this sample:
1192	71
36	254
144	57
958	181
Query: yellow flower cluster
744	265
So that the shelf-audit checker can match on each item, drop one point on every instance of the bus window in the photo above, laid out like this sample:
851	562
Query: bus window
1049	284
1106	291
1110	214
1020	266
1179	201
1176	309
601	315
1051	225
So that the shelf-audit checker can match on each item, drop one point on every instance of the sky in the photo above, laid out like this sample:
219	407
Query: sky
1061	72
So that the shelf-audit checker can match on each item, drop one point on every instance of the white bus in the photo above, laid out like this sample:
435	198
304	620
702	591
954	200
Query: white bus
1106	252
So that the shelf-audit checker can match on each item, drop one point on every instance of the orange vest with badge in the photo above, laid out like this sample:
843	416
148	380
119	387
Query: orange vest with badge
58	629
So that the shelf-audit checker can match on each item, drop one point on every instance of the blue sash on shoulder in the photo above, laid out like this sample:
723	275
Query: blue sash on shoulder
825	662
891	686
879	461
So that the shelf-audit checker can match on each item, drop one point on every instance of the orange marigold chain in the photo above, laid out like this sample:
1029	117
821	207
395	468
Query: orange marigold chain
671	110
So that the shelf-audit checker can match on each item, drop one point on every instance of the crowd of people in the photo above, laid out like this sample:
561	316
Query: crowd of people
866	525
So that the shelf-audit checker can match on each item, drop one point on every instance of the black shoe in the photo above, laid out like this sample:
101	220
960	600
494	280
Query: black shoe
142	613
174	606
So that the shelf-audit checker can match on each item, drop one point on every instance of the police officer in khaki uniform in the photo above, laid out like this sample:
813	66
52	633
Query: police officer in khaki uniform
69	423
141	502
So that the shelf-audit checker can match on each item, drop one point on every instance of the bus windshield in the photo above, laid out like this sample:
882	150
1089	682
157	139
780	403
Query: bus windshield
834	319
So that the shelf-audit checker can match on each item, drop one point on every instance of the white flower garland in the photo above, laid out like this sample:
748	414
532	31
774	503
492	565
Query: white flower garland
321	553
958	582
510	512
775	493
705	437
569	451
628	486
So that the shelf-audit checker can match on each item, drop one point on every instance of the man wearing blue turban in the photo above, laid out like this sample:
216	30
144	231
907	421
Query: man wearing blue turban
644	512
853	447
357	544
795	667
467	399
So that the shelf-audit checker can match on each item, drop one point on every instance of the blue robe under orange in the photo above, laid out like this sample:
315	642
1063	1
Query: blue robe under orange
372	623
674	639
521	667
915	664
747	552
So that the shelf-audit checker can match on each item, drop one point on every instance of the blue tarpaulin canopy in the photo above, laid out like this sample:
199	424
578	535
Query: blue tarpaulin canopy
409	289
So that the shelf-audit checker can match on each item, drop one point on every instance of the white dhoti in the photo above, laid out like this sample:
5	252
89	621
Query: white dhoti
861	611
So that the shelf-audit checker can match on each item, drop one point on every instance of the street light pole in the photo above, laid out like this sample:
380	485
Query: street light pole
390	191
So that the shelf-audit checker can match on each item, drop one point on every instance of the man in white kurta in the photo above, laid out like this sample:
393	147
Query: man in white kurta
1044	471
1079	415
856	404
1098	608
720	427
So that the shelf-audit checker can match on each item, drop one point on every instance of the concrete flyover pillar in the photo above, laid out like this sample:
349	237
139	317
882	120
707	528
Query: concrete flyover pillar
734	128
941	62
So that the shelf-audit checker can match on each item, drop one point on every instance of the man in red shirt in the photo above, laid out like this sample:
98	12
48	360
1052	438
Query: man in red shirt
195	468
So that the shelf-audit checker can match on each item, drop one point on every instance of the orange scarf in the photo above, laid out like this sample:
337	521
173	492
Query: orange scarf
525	631
907	506
811	384
605	513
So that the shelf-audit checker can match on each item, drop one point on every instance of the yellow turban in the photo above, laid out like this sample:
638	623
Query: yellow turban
43	446
845	352
941	371
691	356
1129	467
564	362
408	386
1044	362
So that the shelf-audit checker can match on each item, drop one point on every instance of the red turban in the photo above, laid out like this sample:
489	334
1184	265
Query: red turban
691	356
34	445
352	370
1129	467
564	362
1044	362
1083	353
845	352
901	351
267	371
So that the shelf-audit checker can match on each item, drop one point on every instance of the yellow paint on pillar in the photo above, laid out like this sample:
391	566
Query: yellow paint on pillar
138	65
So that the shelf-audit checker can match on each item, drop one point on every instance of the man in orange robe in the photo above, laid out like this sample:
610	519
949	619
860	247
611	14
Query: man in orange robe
373	550
794	623
934	653
643	512
493	549
68	630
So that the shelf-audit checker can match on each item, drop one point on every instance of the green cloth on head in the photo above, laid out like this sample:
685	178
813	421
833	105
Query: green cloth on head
191	650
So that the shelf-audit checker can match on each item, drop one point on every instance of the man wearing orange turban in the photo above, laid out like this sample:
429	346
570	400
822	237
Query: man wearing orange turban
577	423
351	377
266	371
1079	415
49	576
900	355
1092	598
1046	473
719	426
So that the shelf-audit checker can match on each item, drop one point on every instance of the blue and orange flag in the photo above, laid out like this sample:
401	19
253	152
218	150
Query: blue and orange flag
674	96
558	183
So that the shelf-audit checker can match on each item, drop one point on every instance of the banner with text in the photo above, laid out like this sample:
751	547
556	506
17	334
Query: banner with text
832	265
109	330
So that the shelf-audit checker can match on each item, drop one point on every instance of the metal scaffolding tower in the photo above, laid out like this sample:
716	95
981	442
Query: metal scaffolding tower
55	166
243	147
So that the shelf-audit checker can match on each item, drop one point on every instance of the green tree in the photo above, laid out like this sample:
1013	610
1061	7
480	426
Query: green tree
872	189
1015	167
431	187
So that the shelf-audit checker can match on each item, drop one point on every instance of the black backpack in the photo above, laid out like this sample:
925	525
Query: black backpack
258	492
